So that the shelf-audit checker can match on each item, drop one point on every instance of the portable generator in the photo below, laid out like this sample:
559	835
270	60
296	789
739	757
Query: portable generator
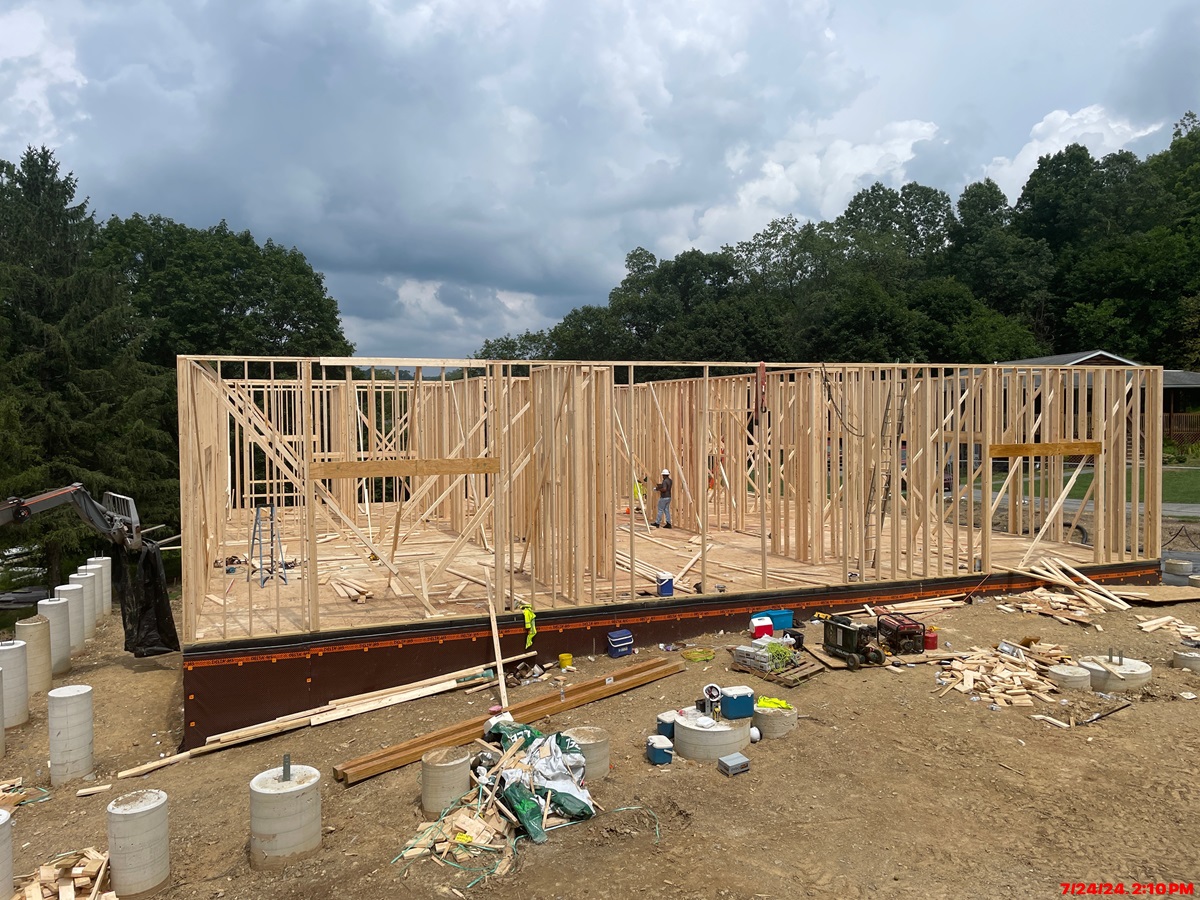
851	641
901	633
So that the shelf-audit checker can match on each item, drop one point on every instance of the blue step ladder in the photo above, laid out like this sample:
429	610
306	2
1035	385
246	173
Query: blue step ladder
267	568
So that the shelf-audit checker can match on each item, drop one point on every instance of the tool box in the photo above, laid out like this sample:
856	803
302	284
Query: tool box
620	643
733	764
901	633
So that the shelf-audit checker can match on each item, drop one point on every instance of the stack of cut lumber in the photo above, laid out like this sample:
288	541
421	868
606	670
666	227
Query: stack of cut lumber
527	711
1005	678
79	873
1181	629
932	604
646	571
1063	607
349	589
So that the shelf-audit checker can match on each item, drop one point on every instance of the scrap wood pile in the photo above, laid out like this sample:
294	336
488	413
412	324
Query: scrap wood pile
1080	598
909	607
536	784
1008	674
78	873
13	794
349	589
1182	630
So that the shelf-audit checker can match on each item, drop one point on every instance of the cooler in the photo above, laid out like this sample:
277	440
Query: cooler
620	643
659	749
780	618
666	584
666	723
737	702
761	626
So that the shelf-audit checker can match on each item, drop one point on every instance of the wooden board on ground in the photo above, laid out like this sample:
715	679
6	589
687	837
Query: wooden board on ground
1162	593
786	677
829	660
927	657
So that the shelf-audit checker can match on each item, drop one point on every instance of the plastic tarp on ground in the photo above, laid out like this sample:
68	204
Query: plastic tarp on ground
550	769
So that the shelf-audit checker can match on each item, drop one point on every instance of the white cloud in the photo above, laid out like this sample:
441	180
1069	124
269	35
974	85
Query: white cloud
36	69
1093	126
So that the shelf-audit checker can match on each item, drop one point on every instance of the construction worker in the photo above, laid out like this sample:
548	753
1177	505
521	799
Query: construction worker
664	500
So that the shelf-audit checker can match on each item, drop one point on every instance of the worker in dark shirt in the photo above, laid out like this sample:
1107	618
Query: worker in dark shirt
664	500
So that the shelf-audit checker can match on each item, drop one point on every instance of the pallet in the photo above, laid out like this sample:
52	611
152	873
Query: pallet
786	677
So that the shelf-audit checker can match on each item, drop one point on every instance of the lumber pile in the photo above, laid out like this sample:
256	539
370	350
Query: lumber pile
528	711
932	604
1007	675
1178	626
349	589
1042	601
645	570
78	873
1091	595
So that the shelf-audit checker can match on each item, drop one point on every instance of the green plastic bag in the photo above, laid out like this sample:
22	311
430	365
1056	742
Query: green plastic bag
526	808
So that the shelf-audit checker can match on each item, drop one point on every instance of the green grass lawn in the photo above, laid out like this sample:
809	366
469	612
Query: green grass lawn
1179	485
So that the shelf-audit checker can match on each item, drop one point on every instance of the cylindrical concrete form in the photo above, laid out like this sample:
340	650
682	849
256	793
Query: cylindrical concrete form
87	581
1177	566
1070	678
139	855
73	595
1134	672
594	744
98	600
773	721
6	860
104	597
35	632
696	739
3	748
69	710
16	694
445	776
1186	659
1194	581
58	616
285	816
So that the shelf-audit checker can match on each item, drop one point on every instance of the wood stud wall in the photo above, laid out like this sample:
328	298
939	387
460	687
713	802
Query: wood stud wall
835	466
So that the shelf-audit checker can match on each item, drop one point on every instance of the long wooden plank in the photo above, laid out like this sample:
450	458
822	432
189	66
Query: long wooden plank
402	468
410	751
1053	448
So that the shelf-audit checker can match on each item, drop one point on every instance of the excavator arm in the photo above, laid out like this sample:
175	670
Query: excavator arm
115	517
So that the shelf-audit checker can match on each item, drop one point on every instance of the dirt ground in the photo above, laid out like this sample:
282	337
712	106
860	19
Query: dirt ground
882	790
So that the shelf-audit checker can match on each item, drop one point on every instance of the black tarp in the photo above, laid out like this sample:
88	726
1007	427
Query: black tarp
141	587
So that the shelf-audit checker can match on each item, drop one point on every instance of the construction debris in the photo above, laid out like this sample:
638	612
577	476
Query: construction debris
78	873
349	589
1183	631
1007	675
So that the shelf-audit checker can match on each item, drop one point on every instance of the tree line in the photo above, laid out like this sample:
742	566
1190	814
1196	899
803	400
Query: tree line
92	315
1094	254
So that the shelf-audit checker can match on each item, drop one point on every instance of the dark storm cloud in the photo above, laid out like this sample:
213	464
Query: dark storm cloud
460	169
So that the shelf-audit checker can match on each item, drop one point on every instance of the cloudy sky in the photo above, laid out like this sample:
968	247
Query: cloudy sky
463	169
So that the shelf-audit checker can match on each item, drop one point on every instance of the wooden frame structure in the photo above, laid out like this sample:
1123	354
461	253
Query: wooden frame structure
423	487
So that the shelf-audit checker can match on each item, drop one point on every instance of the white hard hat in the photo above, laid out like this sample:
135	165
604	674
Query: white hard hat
666	471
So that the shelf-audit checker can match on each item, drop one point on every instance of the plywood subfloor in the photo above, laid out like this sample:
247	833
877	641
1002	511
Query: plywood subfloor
236	606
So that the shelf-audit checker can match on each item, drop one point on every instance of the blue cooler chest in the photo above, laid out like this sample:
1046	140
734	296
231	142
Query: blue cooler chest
737	702
620	643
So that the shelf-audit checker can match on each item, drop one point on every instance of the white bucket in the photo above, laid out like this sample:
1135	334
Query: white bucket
285	816
595	746
6	844
69	710
445	776
73	595
87	581
139	846
16	694
35	632
105	604
58	614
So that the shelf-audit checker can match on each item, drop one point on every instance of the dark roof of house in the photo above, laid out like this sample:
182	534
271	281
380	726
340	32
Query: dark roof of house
1180	378
1079	358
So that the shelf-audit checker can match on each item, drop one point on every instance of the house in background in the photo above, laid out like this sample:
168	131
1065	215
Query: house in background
1181	390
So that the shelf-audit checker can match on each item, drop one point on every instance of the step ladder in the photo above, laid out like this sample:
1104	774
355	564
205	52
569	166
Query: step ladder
273	547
